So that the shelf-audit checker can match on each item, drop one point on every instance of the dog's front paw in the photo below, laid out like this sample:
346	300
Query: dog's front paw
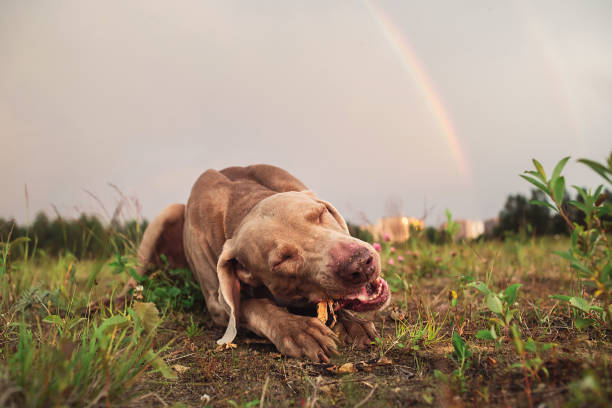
300	336
355	331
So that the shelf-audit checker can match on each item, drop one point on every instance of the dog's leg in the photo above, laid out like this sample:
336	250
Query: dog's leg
355	331
293	335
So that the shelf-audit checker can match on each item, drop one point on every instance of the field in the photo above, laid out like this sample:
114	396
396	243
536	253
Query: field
459	332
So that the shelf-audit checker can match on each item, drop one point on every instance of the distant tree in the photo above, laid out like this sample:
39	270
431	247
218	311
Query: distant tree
84	237
435	236
519	215
360	233
10	227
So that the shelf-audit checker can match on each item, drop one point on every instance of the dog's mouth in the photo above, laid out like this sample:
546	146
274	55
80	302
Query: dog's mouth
372	296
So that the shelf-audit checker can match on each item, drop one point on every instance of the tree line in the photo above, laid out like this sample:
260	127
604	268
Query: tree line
86	237
520	215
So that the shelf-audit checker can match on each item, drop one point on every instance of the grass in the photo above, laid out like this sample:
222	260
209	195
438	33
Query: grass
53	355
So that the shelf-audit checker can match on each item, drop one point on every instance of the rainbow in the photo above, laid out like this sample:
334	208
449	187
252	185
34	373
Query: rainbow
411	63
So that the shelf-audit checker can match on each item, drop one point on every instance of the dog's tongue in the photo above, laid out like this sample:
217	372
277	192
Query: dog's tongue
372	296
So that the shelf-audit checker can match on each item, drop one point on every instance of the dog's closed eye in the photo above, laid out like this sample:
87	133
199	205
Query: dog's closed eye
318	215
322	215
283	258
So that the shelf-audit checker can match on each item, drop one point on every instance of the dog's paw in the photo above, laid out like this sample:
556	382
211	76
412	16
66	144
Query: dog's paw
300	336
352	330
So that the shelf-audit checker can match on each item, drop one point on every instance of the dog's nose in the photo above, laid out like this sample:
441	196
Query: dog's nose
358	268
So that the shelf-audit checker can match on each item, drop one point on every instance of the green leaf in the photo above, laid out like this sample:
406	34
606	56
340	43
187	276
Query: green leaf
461	350
511	292
510	315
111	322
559	167
494	303
585	196
574	240
53	319
539	168
604	210
484	335
597	168
582	268
530	345
606	272
148	315
518	342
106	326
75	322
597	308
440	376
559	190
583	323
481	286
536	183
565	254
565	298
580	303
535	174
548	346
581	206
158	363
543	204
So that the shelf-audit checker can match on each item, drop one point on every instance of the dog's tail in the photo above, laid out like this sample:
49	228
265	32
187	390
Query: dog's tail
163	236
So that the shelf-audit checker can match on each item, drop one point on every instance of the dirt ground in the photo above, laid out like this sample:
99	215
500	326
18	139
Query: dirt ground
391	373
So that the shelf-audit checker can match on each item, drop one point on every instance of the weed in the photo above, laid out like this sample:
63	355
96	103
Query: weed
531	360
590	254
171	289
193	329
461	357
500	304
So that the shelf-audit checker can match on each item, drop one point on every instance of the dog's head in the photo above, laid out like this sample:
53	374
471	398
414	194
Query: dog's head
299	248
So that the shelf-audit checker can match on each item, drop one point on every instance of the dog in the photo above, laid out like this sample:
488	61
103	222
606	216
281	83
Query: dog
261	245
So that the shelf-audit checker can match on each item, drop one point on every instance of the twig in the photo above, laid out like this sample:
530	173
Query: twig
178	358
263	392
367	397
153	394
528	387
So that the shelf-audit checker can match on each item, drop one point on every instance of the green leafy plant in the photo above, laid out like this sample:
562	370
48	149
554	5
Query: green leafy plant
193	329
168	288
461	357
531	363
451	228
590	390
590	254
500	304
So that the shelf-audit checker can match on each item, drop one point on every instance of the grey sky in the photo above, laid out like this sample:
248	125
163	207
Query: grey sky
148	94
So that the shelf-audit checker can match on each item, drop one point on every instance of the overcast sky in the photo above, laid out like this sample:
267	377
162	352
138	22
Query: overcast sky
410	102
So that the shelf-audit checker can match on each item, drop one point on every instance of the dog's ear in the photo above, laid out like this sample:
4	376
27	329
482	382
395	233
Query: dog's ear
332	210
229	291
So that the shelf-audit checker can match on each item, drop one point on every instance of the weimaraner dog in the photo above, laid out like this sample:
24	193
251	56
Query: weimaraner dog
262	245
